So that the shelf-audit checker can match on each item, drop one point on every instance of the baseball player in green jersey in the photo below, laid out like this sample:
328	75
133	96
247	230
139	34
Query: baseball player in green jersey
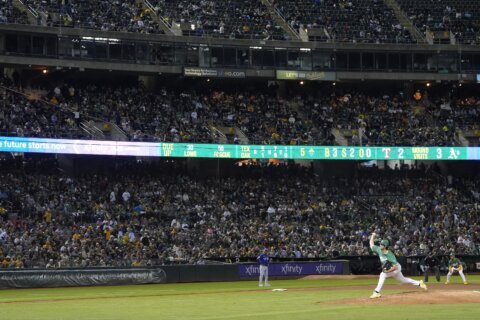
455	265
390	267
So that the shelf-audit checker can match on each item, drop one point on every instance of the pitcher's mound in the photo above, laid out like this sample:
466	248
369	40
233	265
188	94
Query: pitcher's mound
418	297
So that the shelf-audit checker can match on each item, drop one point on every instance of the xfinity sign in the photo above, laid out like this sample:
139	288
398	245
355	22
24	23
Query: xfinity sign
293	269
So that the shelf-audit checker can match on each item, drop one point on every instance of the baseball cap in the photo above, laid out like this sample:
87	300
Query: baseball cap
385	242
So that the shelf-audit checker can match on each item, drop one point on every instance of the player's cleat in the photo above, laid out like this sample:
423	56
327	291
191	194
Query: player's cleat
260	285
447	282
465	282
423	285
267	284
375	295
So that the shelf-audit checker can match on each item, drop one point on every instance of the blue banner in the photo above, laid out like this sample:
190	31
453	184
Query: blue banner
293	269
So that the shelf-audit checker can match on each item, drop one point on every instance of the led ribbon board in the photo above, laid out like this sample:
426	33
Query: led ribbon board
233	151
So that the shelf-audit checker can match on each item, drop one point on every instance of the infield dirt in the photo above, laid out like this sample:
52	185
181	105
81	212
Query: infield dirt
436	294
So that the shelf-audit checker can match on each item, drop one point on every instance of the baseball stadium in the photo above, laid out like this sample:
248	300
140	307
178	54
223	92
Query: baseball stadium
200	159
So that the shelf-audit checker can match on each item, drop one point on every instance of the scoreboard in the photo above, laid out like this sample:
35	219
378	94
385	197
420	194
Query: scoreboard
317	152
234	151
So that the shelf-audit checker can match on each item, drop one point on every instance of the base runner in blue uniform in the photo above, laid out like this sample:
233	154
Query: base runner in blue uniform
263	260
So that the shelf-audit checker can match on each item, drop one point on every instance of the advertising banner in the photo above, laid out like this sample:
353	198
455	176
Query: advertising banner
214	73
293	269
305	75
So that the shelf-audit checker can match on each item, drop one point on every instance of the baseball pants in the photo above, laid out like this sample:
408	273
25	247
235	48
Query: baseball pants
435	269
263	275
397	274
460	272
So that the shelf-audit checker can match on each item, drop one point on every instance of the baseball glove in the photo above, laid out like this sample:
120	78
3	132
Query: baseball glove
387	265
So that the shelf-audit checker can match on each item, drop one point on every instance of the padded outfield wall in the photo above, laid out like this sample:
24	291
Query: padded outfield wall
41	278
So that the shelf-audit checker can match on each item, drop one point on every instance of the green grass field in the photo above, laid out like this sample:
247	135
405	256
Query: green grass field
304	299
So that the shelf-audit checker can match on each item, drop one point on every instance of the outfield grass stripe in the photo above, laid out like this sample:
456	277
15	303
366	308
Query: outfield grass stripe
100	296
305	299
258	314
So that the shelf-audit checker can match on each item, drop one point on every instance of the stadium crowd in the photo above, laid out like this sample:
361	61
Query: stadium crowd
191	115
363	21
232	19
10	14
105	15
146	214
461	17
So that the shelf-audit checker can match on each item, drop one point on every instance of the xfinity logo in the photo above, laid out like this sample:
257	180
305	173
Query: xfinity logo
325	268
286	269
252	270
292	269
